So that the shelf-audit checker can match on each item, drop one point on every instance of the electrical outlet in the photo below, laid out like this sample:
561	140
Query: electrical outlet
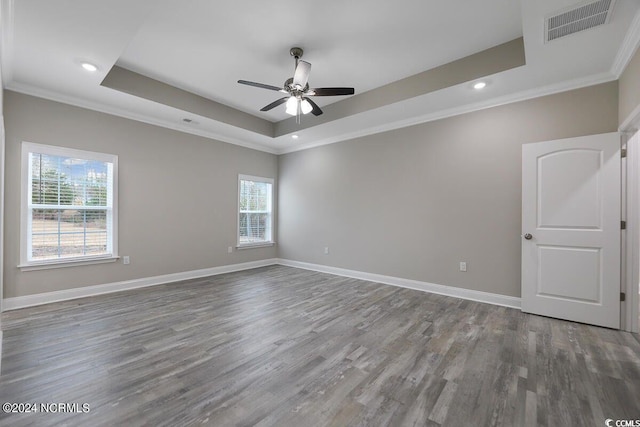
326	250
126	260
463	266
230	249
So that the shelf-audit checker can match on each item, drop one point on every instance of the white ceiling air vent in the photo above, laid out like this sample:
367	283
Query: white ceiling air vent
577	18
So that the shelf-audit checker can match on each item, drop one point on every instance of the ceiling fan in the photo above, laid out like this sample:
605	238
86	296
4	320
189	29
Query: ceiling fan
298	91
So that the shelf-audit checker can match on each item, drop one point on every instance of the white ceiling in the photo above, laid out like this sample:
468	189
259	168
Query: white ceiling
205	47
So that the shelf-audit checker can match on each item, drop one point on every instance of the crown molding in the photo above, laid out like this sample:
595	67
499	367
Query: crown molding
121	112
628	48
624	54
464	109
469	108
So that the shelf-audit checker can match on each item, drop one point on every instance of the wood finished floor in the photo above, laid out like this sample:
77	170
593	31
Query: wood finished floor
279	346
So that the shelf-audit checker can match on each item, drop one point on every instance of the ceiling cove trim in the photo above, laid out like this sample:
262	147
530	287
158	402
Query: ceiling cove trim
630	44
469	108
120	112
6	40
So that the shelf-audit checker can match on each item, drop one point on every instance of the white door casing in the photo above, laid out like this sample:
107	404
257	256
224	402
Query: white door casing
631	253
571	208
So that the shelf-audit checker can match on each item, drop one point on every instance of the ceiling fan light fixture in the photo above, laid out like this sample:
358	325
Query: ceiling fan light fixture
297	87
305	106
292	106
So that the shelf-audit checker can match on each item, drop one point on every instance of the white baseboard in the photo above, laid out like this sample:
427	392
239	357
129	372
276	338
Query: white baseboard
68	294
88	291
468	294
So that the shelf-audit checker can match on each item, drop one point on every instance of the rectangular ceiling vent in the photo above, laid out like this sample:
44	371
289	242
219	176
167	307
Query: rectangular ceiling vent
577	18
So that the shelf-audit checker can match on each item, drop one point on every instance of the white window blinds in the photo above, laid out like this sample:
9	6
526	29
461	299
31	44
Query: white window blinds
69	204
255	219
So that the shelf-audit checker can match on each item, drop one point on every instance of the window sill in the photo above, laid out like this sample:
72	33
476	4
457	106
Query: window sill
45	265
255	245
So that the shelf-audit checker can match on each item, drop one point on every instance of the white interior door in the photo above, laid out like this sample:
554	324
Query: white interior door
571	229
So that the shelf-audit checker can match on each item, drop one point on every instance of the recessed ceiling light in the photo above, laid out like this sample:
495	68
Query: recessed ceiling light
89	66
479	85
187	120
294	136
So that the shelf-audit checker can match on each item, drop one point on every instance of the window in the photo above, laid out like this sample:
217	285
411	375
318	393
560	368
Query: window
255	211
68	205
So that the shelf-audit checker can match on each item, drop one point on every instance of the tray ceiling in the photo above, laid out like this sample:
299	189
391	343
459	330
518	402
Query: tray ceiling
203	48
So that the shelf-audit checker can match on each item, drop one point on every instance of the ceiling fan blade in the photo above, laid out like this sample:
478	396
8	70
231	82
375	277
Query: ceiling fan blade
331	91
316	110
274	104
301	76
260	85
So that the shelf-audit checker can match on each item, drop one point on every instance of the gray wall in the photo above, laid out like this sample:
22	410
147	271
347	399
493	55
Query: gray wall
177	194
414	202
410	203
630	88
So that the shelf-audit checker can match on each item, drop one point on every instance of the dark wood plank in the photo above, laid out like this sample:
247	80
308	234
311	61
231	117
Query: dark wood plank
279	346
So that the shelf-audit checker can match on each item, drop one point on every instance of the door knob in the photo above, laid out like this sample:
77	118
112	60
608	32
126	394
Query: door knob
528	236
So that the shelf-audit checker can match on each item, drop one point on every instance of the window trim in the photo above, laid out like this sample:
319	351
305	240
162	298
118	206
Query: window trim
54	150
240	246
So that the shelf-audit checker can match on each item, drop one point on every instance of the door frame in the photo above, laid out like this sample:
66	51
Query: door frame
630	262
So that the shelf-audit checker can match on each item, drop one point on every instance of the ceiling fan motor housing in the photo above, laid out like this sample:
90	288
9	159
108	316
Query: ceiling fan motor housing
289	87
